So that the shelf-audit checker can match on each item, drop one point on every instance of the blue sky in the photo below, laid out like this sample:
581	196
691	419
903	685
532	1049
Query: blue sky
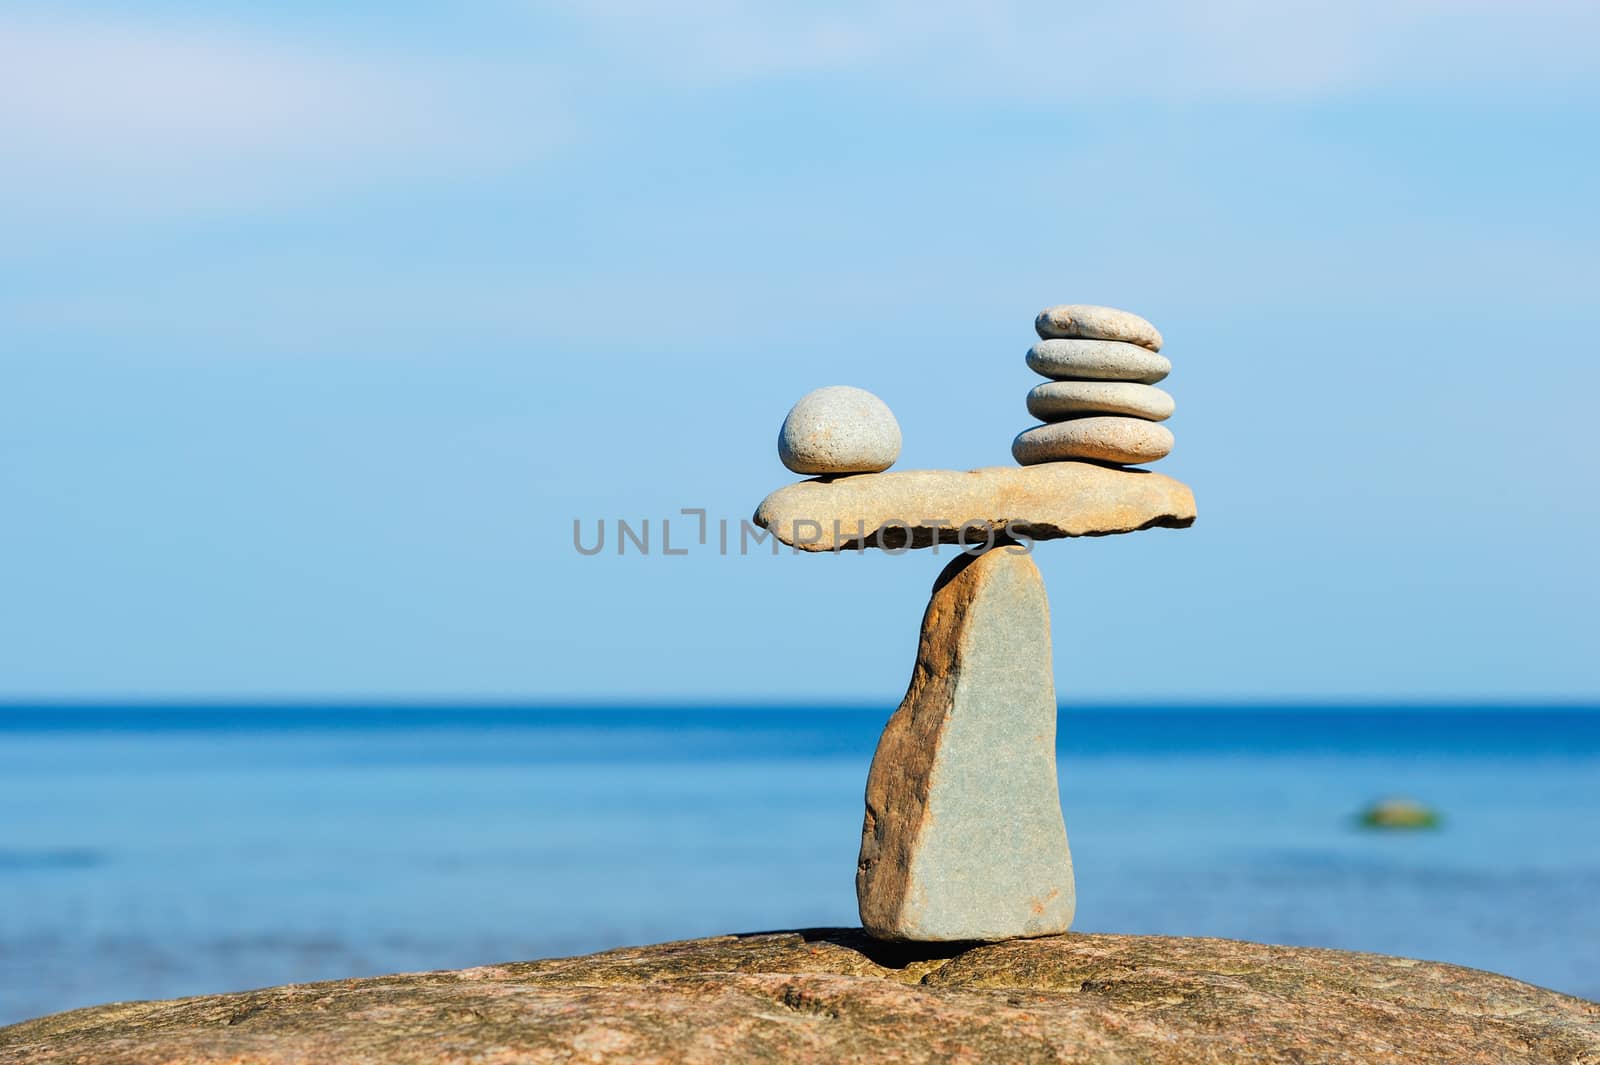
319	327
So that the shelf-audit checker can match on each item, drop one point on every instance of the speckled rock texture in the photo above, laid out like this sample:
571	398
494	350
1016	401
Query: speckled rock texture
1102	438
834	995
1055	400
963	837
1097	360
901	509
1097	323
839	429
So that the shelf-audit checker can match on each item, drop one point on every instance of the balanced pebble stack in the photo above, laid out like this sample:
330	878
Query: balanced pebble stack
1101	402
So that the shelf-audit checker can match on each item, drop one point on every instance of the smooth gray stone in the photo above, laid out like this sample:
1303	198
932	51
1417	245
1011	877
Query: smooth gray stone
1055	400
1097	360
963	837
1104	439
1098	323
839	429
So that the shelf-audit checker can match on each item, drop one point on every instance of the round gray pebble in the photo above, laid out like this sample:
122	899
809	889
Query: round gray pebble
1098	360
839	429
1096	323
1107	439
1055	400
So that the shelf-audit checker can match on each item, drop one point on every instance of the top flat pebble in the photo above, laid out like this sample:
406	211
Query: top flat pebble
1088	322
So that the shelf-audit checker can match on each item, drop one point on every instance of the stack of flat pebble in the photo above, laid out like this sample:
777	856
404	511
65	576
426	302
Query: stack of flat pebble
1100	402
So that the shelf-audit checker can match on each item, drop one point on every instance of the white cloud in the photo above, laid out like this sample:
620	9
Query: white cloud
110	114
95	109
1054	52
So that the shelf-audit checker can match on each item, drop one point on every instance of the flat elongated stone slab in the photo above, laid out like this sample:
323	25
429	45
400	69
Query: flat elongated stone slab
918	508
963	837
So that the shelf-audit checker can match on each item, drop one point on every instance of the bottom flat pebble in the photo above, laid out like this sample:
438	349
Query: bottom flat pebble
1103	439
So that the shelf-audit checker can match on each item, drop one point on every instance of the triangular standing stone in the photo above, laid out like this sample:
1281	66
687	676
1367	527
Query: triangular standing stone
963	837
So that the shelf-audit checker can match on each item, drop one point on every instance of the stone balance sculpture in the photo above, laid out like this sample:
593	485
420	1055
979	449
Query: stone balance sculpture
963	837
963	840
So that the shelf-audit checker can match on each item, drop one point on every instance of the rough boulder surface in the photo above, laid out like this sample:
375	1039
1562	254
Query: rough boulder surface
836	995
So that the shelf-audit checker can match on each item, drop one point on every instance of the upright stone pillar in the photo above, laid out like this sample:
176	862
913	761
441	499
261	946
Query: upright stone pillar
963	837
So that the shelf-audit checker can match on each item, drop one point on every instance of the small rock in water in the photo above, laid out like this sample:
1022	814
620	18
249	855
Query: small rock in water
1098	323
839	429
1103	439
963	837
1098	360
1054	400
1399	813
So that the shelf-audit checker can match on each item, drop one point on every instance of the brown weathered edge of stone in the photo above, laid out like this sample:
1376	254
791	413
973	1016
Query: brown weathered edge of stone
830	995
1044	502
897	783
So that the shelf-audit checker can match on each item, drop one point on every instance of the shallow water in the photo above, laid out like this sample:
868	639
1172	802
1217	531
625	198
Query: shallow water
151	853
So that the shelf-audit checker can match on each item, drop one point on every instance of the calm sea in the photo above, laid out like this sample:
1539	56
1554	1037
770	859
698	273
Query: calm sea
157	852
